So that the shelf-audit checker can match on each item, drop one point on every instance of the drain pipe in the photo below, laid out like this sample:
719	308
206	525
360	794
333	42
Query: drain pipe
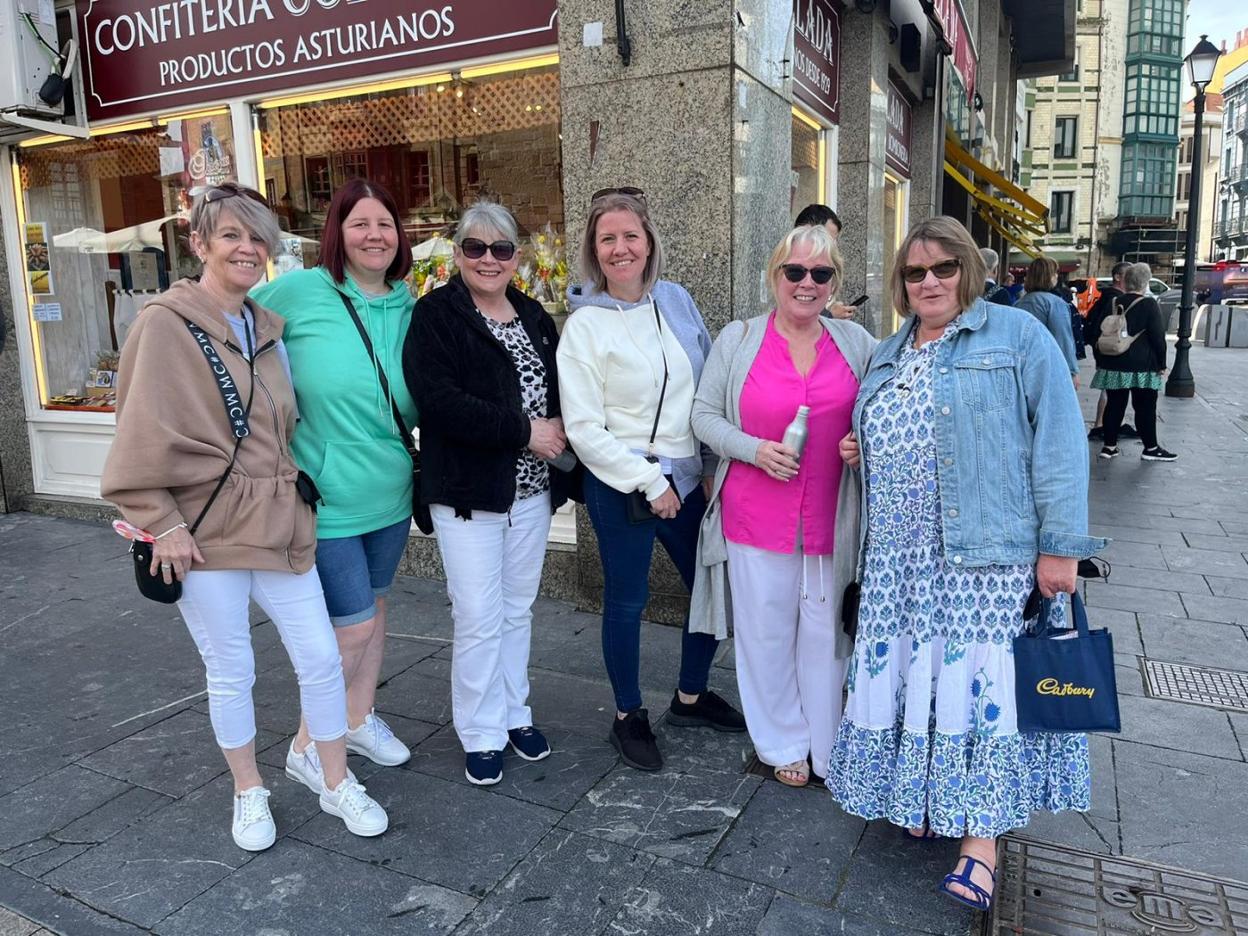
621	34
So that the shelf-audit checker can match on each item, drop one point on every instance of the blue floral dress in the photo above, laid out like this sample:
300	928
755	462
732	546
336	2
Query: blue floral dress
929	732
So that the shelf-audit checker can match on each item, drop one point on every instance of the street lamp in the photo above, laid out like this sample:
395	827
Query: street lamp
1200	64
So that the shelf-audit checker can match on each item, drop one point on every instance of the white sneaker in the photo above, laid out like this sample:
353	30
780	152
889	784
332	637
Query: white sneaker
253	823
359	811
377	742
306	767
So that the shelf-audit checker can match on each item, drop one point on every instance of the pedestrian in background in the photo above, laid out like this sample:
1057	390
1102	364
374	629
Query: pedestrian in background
1137	371
630	358
480	360
992	292
348	388
1106	297
779	542
964	424
1050	310
816	215
176	464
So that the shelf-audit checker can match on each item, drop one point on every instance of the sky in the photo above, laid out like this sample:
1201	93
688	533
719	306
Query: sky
1219	19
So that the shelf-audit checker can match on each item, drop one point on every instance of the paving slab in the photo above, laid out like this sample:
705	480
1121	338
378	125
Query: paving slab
1205	561
570	883
1203	643
48	861
440	832
1227	587
1227	610
788	916
101	824
1139	555
13	925
1137	534
53	802
1189	821
165	860
797	841
1183	727
58	913
1154	579
421	692
1130	598
296	888
675	899
1229	543
575	765
581	655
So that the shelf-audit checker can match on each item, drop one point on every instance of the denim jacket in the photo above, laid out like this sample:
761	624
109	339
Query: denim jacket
1012	462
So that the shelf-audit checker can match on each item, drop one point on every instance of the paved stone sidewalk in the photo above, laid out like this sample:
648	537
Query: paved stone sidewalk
114	802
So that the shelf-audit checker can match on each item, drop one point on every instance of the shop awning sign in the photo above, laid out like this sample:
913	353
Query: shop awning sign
144	56
817	56
898	138
948	15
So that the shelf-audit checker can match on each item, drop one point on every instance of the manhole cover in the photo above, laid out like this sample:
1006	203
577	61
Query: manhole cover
1199	685
1047	889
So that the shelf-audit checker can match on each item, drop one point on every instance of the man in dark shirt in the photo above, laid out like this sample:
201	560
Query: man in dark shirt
812	216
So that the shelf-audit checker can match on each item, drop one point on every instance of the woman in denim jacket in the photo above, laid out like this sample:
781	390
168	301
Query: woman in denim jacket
975	491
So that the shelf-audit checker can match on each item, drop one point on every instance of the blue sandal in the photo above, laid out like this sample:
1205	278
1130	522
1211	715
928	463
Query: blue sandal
980	900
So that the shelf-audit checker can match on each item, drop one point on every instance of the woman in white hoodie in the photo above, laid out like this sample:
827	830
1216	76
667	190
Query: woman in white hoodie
629	361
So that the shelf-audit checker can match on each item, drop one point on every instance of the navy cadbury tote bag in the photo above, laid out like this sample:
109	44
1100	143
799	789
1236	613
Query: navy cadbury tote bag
1064	681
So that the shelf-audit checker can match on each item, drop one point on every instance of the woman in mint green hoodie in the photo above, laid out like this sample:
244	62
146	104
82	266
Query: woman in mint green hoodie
348	440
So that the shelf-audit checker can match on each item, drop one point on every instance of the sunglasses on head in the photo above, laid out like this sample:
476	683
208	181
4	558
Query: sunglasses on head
233	190
622	190
795	273
474	249
917	273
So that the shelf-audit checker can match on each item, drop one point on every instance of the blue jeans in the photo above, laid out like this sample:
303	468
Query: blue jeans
626	549
357	570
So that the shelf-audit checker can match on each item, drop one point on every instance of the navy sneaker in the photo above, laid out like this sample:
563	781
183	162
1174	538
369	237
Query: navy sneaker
709	711
483	768
529	743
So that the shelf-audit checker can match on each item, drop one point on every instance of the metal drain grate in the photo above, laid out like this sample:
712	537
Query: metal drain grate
1051	889
1198	685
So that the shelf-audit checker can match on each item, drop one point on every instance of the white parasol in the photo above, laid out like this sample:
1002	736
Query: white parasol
433	247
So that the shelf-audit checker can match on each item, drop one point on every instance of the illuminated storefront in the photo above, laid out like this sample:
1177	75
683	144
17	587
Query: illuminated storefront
817	99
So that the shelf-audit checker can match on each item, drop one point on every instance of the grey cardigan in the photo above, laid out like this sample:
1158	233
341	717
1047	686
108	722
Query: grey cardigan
717	422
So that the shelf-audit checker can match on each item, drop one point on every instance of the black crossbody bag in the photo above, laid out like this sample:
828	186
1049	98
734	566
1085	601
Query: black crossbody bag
420	511
638	508
154	586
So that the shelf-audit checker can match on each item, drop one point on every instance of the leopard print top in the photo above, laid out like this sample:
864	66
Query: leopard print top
532	473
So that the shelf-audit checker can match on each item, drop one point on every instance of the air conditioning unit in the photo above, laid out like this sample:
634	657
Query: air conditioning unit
35	73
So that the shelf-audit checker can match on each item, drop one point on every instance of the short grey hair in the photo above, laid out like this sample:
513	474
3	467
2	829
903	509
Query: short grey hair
485	215
247	205
1136	277
991	259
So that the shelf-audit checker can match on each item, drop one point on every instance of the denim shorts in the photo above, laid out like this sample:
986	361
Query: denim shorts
357	570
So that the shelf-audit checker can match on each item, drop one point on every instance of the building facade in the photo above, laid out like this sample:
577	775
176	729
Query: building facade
730	115
1211	164
1230	228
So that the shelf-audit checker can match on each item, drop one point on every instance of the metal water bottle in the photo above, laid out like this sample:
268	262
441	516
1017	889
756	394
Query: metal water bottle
795	432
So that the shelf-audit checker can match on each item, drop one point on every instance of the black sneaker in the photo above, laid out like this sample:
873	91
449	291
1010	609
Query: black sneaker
483	768
1128	432
709	711
529	743
1109	451
1096	433
632	737
1157	453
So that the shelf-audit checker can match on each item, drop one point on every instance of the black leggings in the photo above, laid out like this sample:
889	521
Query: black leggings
1144	402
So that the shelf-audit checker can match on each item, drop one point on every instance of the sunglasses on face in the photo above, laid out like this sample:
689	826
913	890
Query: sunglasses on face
474	249
233	190
795	273
622	190
917	273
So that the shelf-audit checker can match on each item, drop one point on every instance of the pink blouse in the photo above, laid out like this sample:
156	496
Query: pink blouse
760	511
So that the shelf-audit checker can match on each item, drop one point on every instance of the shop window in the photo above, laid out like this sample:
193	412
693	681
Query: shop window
1060	212
1065	138
435	147
104	228
806	165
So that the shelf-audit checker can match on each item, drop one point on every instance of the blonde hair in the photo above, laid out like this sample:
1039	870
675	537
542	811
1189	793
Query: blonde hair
817	237
591	270
953	237
246	204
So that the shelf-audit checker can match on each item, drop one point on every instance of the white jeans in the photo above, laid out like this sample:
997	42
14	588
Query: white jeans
493	566
214	606
787	672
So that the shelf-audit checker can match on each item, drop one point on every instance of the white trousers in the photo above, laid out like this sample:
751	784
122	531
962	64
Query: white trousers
214	606
493	565
785	639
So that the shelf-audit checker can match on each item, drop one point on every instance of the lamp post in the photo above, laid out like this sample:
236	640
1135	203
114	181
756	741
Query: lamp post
1200	64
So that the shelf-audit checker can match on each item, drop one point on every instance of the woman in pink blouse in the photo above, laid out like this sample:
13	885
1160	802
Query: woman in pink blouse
780	538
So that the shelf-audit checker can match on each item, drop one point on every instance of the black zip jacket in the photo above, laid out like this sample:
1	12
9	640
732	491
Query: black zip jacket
1148	352
473	429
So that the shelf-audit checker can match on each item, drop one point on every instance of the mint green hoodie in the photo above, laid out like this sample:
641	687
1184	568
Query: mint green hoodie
346	438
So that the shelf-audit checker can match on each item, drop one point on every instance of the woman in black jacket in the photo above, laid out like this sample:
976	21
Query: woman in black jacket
1138	370
480	363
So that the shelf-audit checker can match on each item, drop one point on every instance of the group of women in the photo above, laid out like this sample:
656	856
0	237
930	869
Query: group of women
943	476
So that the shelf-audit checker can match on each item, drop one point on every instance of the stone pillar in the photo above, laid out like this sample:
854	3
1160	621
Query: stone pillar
864	119
699	119
927	159
16	480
